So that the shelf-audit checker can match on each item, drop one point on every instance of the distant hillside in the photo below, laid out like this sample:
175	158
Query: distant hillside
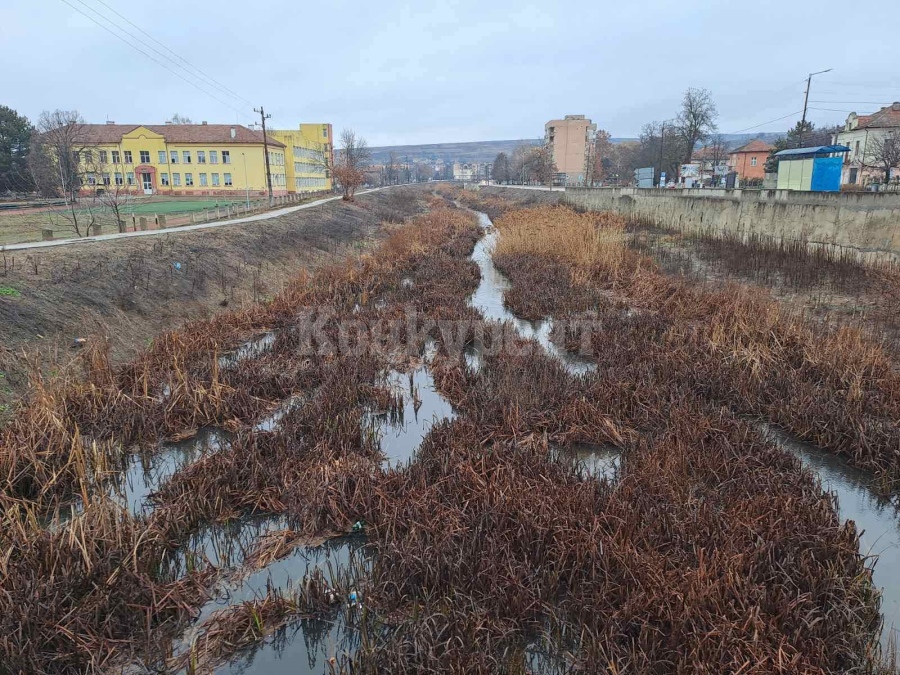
737	140
478	151
487	151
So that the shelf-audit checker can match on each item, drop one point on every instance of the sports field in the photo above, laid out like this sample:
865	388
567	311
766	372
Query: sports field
26	225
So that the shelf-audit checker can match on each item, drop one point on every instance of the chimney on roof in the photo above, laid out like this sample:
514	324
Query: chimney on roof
203	122
896	106
110	122
233	132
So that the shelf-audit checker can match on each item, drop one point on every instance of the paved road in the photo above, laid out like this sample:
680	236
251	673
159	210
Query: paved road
530	187
183	228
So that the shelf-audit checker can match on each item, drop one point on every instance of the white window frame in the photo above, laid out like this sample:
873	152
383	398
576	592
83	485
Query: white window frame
227	180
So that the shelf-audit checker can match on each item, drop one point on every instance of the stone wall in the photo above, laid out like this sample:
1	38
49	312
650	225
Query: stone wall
868	222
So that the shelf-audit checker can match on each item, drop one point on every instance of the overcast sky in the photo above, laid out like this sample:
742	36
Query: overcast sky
401	72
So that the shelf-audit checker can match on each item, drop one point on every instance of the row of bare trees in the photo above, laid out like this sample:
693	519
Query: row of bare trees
528	164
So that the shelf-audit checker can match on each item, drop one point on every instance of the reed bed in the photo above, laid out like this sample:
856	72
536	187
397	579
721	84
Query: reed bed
710	550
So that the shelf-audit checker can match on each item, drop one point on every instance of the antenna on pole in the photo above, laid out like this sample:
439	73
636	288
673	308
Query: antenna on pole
264	117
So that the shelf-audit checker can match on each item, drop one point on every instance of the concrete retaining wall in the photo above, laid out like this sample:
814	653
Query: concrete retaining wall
869	222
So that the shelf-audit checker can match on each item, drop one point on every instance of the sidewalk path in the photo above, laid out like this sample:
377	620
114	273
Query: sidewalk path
182	228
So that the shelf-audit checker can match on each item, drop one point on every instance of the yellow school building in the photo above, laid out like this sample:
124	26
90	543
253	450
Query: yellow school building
309	154
180	160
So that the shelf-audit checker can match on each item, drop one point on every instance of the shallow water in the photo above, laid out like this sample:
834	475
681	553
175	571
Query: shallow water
877	519
144	474
400	435
306	644
251	349
488	299
594	461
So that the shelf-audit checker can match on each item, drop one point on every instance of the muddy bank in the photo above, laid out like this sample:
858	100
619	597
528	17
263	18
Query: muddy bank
129	291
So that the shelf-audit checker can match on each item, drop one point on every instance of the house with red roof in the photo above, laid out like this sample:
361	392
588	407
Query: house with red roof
864	135
749	161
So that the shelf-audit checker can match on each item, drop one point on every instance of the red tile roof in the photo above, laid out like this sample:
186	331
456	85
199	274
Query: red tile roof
888	116
211	134
753	146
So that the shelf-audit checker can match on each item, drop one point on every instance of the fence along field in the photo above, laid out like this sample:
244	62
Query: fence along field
708	549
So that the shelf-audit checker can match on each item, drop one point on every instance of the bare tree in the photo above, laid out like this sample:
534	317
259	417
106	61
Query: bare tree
179	119
349	167
115	192
539	165
598	159
58	166
696	121
883	153
502	168
390	169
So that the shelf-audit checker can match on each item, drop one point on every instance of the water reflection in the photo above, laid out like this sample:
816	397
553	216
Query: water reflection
488	299
591	460
876	518
401	432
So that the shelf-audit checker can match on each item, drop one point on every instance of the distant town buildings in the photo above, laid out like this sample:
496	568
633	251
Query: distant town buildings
472	171
570	140
749	161
865	135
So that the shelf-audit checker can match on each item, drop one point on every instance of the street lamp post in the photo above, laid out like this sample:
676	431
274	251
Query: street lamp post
246	182
805	102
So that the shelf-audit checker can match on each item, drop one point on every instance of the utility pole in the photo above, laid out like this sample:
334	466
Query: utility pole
264	117
805	103
662	140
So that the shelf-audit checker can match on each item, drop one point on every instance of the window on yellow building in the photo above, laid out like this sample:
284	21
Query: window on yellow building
103	157
129	177
189	180
162	156
107	179
176	179
119	179
186	155
145	156
164	179
88	157
226	157
202	180
115	156
201	157
215	180
173	157
227	179
128	157
325	132
213	157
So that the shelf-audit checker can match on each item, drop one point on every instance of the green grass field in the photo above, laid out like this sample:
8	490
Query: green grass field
24	226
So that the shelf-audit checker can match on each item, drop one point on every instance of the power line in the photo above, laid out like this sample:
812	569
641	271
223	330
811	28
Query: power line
159	63
140	41
765	123
833	110
176	55
859	102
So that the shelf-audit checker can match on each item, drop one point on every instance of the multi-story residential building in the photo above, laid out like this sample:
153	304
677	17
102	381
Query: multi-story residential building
749	161
309	151
465	171
863	134
179	159
569	140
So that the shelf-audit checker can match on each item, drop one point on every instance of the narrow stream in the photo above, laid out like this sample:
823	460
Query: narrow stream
877	519
488	299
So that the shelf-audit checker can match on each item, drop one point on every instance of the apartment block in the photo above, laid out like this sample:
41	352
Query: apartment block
569	140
